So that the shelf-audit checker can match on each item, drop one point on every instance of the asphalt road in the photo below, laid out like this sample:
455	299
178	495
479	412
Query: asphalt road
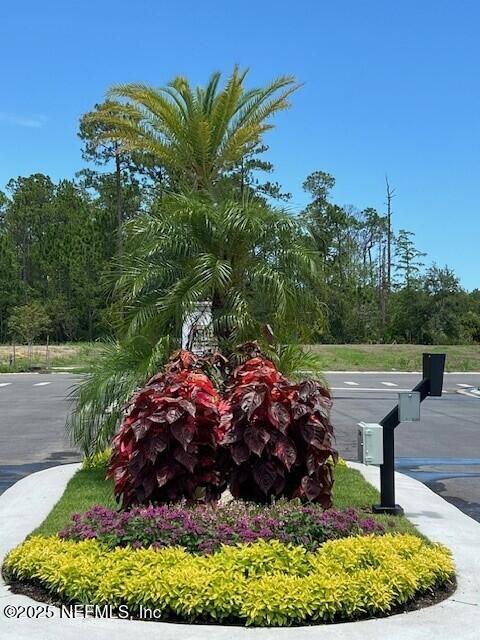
33	410
443	450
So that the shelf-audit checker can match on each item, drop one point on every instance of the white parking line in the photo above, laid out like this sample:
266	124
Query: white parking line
471	393
41	384
390	384
396	390
353	384
464	386
4	384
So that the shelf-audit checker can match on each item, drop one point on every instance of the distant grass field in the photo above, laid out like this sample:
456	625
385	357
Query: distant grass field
335	357
77	356
394	357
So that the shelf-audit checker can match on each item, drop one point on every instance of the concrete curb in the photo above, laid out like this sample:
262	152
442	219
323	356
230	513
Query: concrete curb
24	506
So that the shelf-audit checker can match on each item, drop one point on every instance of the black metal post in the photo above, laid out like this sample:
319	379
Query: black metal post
431	385
387	469
433	368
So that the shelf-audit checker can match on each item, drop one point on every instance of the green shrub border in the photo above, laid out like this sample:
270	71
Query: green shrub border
262	584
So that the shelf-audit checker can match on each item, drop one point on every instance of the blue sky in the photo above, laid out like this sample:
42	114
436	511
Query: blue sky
390	87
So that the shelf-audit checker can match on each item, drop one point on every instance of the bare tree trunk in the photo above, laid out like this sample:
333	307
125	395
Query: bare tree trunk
371	276
90	325
390	196
382	286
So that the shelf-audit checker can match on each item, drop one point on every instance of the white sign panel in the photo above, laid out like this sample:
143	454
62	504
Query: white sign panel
197	329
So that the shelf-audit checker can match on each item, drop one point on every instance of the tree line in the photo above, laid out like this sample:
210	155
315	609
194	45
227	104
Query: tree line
377	285
63	244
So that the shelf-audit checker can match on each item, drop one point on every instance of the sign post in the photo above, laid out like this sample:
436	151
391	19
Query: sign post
431	385
197	329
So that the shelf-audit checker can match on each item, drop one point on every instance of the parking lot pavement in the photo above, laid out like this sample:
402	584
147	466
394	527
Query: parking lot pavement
397	381
442	450
33	409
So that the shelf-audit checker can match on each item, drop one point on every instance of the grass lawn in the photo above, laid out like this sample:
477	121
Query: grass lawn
88	488
394	357
76	355
335	357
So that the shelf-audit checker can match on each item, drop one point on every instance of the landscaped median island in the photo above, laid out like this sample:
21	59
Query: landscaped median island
270	565
235	510
262	583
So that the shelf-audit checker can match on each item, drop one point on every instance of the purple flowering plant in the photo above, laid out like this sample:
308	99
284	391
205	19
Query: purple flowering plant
204	528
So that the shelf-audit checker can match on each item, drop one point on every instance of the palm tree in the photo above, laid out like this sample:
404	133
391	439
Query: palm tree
119	368
254	264
195	134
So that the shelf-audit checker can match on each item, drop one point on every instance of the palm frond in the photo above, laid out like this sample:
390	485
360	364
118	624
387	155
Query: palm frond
119	370
195	134
295	363
253	263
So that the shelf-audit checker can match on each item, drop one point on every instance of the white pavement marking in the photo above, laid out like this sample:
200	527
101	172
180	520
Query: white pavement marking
390	384
41	384
396	390
393	373
471	393
465	386
353	384
4	384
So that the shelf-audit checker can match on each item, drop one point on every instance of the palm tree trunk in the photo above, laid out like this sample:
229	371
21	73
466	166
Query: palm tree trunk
118	189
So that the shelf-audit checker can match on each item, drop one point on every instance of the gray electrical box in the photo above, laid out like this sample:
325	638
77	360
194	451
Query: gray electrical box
370	443
409	406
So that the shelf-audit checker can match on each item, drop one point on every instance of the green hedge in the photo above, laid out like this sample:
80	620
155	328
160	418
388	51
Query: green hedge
264	584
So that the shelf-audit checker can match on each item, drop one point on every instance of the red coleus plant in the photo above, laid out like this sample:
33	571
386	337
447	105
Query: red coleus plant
278	434
166	448
266	438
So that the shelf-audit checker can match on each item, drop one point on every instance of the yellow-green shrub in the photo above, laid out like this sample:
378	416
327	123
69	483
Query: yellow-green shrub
97	460
265	584
340	462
